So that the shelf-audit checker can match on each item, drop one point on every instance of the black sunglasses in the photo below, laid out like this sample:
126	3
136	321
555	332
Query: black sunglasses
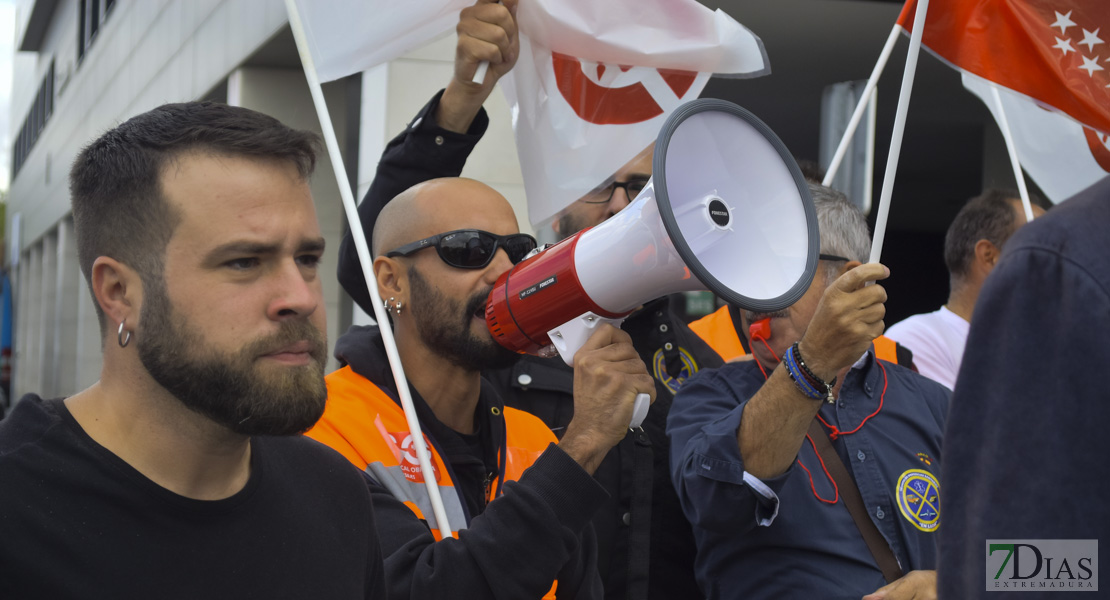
833	257
471	248
604	195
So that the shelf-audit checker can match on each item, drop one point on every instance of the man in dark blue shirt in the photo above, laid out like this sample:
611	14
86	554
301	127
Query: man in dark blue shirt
768	518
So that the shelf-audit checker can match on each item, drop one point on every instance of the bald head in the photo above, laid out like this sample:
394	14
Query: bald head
441	205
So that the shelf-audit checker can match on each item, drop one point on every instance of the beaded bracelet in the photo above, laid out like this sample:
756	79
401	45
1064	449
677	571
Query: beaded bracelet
824	390
804	386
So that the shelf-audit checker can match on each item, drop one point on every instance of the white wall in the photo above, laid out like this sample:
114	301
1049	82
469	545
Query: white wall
392	94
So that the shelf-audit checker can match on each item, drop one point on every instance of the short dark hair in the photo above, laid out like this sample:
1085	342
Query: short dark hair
989	216
119	209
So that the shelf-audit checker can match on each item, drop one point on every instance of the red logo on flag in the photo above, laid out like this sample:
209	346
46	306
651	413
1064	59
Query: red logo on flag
603	105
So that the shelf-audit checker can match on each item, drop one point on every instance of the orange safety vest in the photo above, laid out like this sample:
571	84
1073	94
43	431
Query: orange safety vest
718	330
367	426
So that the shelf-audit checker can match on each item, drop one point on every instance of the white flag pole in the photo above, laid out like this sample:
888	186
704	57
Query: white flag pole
899	129
1004	125
864	100
363	250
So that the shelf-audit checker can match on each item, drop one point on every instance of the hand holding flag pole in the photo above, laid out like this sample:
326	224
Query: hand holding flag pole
483	66
363	250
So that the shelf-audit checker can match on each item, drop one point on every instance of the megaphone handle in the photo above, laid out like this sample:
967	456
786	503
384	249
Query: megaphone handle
572	335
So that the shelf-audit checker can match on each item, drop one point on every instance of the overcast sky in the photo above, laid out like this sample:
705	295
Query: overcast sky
7	44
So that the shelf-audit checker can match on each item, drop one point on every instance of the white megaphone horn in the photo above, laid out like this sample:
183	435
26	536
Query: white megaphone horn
727	210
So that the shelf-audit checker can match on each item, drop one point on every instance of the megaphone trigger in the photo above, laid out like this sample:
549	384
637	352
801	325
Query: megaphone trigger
640	410
569	337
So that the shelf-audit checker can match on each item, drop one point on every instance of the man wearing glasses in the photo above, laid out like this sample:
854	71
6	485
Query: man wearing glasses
645	546
439	248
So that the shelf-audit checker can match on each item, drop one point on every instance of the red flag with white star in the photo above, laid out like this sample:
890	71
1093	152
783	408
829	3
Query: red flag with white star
1054	51
1056	55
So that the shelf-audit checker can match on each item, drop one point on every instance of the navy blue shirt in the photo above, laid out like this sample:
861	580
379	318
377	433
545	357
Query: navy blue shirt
775	538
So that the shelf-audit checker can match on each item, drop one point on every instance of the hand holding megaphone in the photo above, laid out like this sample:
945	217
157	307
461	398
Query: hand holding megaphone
726	210
609	377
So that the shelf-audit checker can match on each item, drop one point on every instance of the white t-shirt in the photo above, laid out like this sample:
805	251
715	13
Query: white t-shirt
937	341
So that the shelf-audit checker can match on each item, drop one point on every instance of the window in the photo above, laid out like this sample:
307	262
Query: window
91	14
39	113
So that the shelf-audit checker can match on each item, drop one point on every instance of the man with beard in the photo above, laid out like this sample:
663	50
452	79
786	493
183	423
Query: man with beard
769	517
519	503
179	474
645	546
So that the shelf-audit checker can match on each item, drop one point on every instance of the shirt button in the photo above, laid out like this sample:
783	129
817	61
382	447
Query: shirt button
860	455
840	404
524	379
668	346
663	328
439	140
627	518
867	388
879	513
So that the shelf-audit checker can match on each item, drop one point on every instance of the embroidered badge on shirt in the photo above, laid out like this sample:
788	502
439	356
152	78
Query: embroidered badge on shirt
918	494
659	365
924	458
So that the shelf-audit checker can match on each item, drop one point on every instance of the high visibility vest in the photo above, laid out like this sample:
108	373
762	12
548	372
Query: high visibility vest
718	330
367	426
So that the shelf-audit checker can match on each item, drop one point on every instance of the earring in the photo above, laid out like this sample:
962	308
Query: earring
392	304
123	341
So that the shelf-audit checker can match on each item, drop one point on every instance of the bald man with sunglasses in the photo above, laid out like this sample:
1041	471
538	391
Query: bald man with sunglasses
519	501
645	546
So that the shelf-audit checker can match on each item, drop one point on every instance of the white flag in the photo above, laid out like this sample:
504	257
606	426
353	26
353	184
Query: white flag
596	80
1063	156
351	36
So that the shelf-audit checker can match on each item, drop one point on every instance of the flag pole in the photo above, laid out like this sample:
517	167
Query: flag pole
1004	125
864	100
359	237
899	129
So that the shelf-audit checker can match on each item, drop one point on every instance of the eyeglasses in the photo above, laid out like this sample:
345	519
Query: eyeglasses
471	248
604	195
833	257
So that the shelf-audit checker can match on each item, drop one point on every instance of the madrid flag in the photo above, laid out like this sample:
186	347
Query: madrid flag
1051	59
596	80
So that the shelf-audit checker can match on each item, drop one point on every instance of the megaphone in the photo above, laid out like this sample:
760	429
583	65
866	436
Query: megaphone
726	210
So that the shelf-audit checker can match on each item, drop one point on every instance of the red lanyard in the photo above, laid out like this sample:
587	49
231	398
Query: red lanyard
834	431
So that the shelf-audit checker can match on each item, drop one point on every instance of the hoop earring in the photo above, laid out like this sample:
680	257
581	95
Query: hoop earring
123	341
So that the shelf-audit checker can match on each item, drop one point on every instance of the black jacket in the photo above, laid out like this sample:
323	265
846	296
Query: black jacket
645	545
536	531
